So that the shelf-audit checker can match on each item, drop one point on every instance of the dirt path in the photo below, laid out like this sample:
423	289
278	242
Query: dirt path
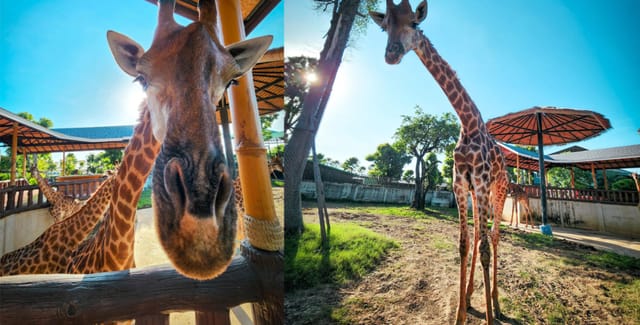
418	283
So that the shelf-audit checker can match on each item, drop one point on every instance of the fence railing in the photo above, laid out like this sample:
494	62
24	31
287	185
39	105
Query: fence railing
25	197
148	294
586	195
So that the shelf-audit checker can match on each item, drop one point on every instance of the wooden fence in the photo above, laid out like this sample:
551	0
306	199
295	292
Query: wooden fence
148	294
25	197
586	195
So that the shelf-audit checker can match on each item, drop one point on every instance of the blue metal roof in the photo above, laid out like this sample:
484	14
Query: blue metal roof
99	132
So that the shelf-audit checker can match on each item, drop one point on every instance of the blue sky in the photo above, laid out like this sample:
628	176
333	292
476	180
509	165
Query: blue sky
56	63
509	55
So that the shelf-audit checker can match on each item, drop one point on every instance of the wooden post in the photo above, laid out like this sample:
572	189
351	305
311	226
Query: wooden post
573	177
14	154
517	169
63	163
604	176
593	176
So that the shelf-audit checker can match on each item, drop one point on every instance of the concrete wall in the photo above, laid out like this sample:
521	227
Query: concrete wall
20	229
621	220
358	193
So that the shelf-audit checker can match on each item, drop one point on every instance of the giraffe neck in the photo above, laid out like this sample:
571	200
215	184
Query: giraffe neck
52	196
445	76
111	249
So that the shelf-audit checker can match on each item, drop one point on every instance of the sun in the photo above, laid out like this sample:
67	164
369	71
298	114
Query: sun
311	77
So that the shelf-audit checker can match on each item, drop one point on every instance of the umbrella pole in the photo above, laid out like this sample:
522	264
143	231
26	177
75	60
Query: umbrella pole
545	228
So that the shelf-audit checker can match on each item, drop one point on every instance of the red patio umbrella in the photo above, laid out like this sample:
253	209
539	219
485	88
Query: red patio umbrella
547	126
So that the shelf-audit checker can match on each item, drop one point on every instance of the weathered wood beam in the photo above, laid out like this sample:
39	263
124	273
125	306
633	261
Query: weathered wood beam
93	298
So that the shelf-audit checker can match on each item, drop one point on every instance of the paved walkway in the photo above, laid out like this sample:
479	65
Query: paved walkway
599	240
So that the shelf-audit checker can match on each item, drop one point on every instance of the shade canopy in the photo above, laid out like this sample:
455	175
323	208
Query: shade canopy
253	11
559	126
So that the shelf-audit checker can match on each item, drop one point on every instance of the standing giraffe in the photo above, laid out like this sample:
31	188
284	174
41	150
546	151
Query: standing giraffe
519	195
61	206
479	165
184	74
51	251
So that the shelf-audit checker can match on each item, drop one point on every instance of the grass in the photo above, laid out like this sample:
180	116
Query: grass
404	211
627	296
145	199
354	251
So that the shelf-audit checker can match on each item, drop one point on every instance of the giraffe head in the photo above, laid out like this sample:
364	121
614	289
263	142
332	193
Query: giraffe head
184	74
401	23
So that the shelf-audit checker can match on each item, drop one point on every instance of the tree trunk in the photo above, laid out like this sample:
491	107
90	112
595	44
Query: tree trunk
297	149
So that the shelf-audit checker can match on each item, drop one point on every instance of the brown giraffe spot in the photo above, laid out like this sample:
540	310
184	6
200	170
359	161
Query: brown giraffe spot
124	209
133	179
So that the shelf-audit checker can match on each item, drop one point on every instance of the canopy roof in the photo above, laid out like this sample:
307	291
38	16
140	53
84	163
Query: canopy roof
253	11
609	158
33	138
559	126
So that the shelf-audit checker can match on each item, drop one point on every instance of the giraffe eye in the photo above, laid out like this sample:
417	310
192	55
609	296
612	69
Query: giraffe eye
143	82
414	25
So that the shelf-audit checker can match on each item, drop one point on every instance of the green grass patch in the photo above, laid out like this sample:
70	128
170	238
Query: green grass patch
533	240
440	242
277	183
404	211
613	260
627	296
145	199
354	251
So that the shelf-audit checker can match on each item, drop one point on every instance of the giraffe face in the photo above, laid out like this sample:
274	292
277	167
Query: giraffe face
184	73
400	23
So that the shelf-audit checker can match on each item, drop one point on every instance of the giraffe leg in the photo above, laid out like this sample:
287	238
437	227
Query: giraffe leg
485	256
474	253
460	188
495	239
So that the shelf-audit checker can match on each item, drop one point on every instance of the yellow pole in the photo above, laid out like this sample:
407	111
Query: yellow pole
14	154
252	159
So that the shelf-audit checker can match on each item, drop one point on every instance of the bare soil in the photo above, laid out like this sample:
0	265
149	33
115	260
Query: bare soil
418	283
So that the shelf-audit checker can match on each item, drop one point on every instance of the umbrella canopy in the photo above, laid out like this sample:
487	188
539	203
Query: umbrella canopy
546	126
559	126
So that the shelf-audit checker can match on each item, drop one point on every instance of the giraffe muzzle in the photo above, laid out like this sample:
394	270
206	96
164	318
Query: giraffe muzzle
394	53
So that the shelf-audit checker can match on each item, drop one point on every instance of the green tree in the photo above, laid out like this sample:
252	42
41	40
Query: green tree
388	161
408	176
421	134
447	165
297	70
70	164
351	165
266	121
432	176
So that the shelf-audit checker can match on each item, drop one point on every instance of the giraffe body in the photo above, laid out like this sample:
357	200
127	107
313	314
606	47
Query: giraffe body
479	168
62	206
51	251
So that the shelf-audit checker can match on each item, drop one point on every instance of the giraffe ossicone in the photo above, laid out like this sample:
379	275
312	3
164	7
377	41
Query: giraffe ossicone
479	167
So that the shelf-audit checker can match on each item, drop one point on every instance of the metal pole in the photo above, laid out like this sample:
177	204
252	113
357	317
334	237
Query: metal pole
228	149
543	186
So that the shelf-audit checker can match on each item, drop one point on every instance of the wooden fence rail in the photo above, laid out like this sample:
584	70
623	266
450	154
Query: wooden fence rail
147	294
586	195
25	197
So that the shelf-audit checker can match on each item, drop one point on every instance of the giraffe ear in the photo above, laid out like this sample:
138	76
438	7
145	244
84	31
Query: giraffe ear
421	11
377	17
126	52
247	53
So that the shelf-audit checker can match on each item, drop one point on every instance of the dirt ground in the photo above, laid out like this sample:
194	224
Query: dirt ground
418	283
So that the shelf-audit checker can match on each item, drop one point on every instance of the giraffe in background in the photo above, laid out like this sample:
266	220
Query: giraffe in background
62	206
51	251
479	167
519	195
